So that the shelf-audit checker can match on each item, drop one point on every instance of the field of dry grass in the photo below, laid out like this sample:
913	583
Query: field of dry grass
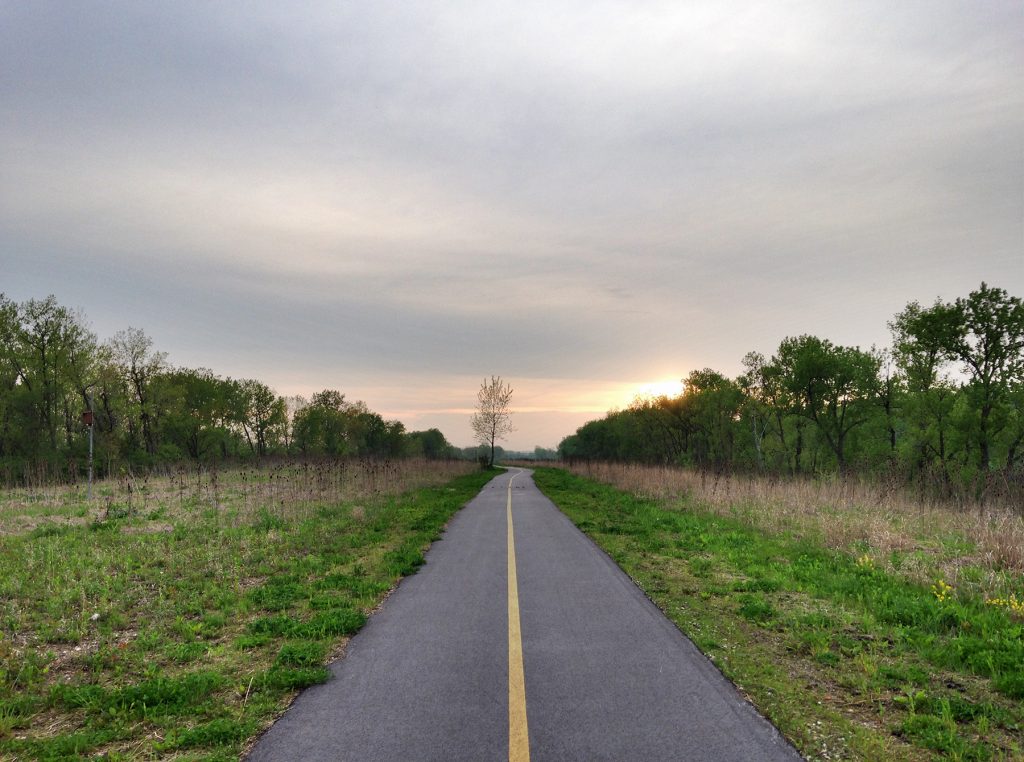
863	624
174	615
290	489
976	547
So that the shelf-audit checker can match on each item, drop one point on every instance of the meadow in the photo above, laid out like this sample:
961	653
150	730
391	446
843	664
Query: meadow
174	616
863	623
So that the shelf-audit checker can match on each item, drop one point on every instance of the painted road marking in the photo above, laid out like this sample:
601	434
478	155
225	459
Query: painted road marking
518	735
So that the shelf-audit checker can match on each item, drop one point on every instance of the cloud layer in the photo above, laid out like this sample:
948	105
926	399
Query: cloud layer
599	193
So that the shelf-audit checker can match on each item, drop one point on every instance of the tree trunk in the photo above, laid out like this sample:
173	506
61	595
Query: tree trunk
798	449
983	443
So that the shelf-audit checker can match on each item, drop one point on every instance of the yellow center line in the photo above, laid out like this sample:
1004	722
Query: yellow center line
518	735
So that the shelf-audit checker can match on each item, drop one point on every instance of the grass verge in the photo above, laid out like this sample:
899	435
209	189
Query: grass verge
121	640
848	659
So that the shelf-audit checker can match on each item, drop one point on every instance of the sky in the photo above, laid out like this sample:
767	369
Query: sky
587	198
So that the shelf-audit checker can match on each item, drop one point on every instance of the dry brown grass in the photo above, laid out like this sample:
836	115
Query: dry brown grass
847	514
120	604
286	488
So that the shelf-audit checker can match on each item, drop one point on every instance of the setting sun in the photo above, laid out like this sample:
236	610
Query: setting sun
664	388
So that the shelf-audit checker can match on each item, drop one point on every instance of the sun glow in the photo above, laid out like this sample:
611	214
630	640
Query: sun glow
664	388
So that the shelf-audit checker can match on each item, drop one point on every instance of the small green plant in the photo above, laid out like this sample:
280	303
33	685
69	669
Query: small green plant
756	608
15	714
216	733
301	654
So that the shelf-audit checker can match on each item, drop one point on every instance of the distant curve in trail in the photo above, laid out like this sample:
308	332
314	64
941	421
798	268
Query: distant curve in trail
605	676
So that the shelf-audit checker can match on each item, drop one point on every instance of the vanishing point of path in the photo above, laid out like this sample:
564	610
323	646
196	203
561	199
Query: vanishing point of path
519	639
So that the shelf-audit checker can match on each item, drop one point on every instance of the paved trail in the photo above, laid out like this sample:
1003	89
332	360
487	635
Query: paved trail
591	670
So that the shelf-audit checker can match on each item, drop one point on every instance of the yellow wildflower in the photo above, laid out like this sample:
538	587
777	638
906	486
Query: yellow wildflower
941	590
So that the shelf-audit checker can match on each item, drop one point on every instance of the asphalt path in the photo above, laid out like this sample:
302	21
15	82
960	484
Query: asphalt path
605	676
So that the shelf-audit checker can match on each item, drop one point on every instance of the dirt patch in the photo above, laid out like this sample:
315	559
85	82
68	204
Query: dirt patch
24	524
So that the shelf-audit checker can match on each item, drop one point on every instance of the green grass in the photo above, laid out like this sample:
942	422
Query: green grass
136	641
845	658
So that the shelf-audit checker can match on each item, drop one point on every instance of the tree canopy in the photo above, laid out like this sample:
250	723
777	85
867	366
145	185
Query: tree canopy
944	404
147	411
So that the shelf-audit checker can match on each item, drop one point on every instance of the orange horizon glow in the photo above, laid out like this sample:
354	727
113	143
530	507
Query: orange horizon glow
545	410
663	388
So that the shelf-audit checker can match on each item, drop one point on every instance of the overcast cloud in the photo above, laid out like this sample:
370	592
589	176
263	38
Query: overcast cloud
397	199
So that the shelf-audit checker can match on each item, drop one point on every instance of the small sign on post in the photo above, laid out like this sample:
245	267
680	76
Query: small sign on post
87	418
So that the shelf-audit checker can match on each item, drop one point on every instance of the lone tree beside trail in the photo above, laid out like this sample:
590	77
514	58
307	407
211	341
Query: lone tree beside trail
492	419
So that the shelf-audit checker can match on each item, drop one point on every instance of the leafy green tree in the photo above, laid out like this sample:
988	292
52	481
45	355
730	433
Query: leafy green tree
833	386
11	376
52	368
756	409
202	412
922	341
1015	425
370	435
773	409
890	392
112	406
989	342
261	414
569	448
292	406
331	425
430	444
319	428
711	403
947	399
52	350
651	430
137	365
984	333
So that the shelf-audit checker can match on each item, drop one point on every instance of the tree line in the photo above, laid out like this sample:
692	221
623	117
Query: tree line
147	411
943	404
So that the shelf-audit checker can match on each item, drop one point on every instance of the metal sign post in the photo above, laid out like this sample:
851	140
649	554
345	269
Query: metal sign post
87	419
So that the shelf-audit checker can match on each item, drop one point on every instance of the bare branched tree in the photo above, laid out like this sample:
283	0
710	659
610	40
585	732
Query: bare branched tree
493	418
